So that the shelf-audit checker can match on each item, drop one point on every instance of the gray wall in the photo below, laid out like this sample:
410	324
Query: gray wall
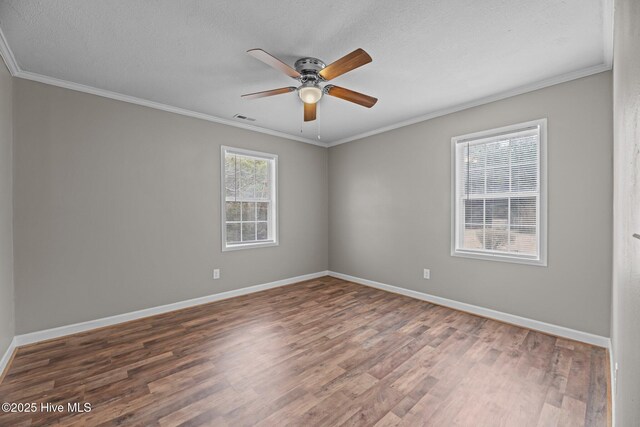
390	209
7	323
625	333
117	208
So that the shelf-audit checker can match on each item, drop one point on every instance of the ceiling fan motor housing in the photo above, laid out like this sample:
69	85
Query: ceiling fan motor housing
309	69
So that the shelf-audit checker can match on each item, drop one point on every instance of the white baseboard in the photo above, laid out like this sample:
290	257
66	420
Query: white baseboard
61	331
7	356
548	328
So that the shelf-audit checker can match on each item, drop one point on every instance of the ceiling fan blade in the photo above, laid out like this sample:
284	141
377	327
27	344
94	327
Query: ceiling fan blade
274	62
268	92
309	112
349	62
351	96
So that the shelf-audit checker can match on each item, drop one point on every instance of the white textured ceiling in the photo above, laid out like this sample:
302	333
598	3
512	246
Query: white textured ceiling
428	56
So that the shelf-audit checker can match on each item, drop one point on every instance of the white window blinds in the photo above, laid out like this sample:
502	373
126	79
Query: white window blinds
498	194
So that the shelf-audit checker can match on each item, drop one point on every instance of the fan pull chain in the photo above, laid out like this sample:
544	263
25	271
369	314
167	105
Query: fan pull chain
318	121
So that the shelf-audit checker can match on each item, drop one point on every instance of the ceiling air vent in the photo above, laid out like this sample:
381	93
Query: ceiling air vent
241	117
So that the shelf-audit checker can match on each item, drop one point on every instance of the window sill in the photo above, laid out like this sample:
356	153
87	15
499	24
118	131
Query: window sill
249	246
499	258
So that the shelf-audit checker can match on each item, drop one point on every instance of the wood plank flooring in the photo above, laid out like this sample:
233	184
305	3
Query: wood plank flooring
319	353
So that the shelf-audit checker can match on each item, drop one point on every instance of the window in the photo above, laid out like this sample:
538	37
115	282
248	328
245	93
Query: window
248	199
499	194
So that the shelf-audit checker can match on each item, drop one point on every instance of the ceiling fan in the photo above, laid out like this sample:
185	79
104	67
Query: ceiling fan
311	72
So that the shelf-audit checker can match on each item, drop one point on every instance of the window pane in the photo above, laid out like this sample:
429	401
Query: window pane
247	177
262	190
496	237
233	233
229	164
262	231
524	178
230	175
496	212
473	173
248	231
248	211
524	240
230	187
498	180
473	211
523	211
524	149
477	156
475	183
262	170
473	236
263	211
233	211
498	153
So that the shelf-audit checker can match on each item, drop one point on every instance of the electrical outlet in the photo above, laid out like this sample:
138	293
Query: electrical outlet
427	274
216	273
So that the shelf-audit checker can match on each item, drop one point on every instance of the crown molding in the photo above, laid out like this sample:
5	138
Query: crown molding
16	71
157	105
164	107
497	97
7	55
607	30
608	9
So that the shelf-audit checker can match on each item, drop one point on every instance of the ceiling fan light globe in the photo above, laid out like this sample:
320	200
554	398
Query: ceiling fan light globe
310	94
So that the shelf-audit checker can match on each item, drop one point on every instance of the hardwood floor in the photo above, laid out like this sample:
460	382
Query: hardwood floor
323	352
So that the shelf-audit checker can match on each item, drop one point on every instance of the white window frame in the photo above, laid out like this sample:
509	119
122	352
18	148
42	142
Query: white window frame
274	199
541	258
